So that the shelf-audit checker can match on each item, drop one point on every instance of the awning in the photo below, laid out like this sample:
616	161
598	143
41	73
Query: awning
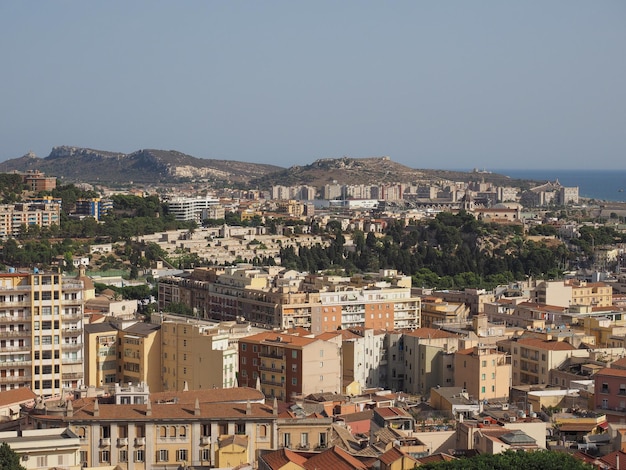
577	427
604	425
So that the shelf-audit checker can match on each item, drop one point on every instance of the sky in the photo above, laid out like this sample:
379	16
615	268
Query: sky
437	84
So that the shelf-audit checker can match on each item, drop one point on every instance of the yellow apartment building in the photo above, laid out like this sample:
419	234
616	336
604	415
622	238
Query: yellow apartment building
41	332
196	357
158	431
483	371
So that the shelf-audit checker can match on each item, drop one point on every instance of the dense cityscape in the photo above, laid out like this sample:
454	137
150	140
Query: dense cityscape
379	326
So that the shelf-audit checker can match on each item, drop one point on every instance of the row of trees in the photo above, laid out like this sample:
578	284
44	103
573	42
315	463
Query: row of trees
451	251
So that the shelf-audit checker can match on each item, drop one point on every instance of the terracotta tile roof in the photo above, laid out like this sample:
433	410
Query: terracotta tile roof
278	339
234	439
279	458
358	416
392	412
431	333
112	412
213	395
441	457
547	345
335	459
16	396
608	372
539	306
393	455
328	335
620	363
611	460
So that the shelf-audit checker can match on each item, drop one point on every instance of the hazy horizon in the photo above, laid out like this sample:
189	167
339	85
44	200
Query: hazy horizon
433	85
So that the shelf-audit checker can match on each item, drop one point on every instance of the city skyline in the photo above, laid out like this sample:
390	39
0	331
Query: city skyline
432	85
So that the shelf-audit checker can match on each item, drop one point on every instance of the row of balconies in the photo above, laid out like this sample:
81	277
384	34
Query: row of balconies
14	319
14	333
122	441
15	378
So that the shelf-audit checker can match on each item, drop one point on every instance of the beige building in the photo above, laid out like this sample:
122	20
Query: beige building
42	213
123	352
573	292
196	357
483	371
45	448
435	311
41	326
428	359
200	428
533	358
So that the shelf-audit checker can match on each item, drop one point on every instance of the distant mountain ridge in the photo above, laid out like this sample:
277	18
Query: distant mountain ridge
145	166
77	164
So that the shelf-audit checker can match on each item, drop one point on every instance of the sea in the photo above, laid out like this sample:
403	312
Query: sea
606	185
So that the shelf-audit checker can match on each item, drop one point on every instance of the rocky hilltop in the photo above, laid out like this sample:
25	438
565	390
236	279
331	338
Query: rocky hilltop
75	164
145	166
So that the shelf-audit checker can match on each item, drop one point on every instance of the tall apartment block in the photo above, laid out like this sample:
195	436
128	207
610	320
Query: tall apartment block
44	213
41	326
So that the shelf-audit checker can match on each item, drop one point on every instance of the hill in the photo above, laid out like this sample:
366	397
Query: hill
75	164
142	166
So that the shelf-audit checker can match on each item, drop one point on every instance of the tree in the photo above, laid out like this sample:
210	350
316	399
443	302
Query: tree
541	459
9	460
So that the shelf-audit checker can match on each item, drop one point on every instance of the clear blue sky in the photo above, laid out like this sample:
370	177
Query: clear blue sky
438	84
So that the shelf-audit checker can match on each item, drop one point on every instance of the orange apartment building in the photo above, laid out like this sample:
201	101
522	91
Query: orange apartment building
483	371
288	365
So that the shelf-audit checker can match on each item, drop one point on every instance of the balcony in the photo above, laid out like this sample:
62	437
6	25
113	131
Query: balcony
71	332
122	441
14	319
72	346
14	379
71	375
140	441
272	369
17	363
15	333
105	441
205	440
272	354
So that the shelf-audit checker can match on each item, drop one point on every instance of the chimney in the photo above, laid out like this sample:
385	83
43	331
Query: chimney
275	411
196	408
69	410
149	408
96	408
248	408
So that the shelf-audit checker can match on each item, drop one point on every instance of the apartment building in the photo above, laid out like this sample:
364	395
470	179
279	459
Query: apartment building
196	356
139	431
483	371
287	365
191	209
610	394
123	351
41	326
42	213
275	297
93	207
573	292
364	357
533	358
37	181
436	311
428	359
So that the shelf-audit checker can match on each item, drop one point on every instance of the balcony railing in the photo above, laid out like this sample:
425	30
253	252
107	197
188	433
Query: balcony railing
122	441
271	369
12	319
140	441
15	333
71	331
14	379
105	441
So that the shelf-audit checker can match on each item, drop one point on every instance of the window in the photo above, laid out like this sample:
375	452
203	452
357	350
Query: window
483	376
294	354
123	455
162	455
205	454
243	346
286	439
240	428
323	439
105	431
484	363
294	381
83	458
105	456
181	455
243	360
140	456
254	348
42	461
482	389
321	353
321	378
162	431
304	440
294	367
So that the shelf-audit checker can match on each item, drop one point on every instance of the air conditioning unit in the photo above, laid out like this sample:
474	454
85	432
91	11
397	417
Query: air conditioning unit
505	406
512	419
